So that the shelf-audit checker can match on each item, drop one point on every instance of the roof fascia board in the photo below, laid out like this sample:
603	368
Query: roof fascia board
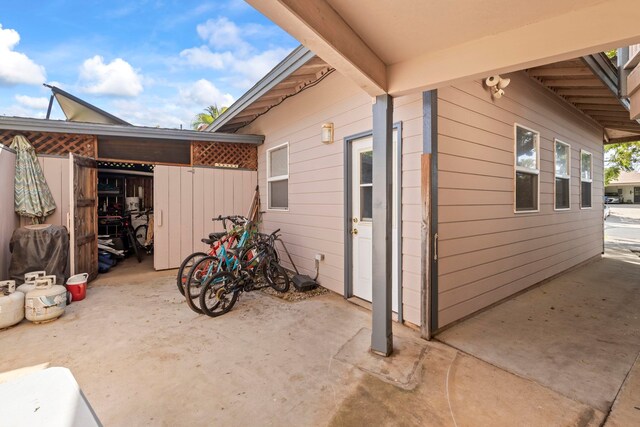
296	59
58	91
42	125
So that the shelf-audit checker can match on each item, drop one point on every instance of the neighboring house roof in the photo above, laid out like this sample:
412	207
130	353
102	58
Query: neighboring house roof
592	85
128	131
78	110
299	70
626	178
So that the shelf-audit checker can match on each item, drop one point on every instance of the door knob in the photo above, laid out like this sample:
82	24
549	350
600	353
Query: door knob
354	231
355	220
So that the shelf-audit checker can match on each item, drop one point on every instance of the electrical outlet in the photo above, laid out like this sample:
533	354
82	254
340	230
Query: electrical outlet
319	257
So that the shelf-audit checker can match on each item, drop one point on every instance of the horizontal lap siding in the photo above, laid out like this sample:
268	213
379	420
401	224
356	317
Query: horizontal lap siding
486	251
314	222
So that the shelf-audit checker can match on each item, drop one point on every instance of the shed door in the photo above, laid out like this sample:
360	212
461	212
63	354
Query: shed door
83	216
185	199
172	215
636	194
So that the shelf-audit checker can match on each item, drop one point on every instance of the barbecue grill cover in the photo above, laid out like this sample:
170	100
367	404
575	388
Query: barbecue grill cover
39	247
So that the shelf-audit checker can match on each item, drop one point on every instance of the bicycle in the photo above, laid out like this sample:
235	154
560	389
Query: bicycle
242	233
141	232
222	290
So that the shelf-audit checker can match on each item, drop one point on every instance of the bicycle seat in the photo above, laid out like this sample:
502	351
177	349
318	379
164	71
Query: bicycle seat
208	241
217	235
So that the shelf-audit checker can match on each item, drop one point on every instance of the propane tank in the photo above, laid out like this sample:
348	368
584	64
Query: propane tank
46	302
30	281
11	304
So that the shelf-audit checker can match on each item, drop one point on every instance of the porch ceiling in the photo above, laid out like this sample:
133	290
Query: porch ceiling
576	82
402	47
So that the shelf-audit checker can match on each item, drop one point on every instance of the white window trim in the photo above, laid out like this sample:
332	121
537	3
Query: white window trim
277	178
517	168
586	180
555	175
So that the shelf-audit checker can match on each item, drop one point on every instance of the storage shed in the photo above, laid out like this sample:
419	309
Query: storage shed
186	177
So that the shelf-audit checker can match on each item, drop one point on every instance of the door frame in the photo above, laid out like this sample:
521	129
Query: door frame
348	211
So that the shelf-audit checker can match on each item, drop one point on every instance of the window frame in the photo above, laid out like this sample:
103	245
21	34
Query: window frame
555	175
590	180
271	179
522	169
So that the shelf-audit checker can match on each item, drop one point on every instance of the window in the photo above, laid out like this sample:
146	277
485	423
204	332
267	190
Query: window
586	178
562	155
527	144
278	177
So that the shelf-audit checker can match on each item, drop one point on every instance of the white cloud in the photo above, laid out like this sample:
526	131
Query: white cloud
17	68
246	68
37	103
203	93
221	33
117	78
203	57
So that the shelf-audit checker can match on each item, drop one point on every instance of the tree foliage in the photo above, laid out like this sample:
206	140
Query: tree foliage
622	157
210	114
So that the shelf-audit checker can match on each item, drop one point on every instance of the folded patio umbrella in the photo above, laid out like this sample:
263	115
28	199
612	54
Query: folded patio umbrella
33	197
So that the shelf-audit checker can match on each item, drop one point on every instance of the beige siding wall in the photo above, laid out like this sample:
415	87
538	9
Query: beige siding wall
314	222
7	214
486	251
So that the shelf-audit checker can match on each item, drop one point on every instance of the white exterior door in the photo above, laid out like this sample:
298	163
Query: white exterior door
361	227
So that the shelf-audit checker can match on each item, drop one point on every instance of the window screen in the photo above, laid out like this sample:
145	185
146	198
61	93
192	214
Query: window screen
526	169
586	178
278	177
562	155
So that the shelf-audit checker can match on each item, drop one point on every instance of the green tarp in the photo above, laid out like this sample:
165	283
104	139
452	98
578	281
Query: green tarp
33	197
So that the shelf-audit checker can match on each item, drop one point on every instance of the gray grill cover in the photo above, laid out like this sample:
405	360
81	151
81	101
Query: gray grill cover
39	249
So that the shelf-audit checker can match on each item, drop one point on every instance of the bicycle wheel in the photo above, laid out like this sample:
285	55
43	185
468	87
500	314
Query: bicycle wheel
276	276
133	244
198	275
141	235
216	297
185	268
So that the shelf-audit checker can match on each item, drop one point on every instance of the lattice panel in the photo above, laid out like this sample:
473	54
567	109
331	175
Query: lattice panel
222	154
55	143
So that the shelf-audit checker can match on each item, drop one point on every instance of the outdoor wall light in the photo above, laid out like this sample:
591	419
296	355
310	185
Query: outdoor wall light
497	85
327	133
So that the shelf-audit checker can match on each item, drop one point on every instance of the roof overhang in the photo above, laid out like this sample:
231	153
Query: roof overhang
126	131
403	47
591	84
299	70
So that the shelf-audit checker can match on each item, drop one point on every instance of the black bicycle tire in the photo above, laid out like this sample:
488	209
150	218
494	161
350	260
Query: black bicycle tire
268	276
188	294
210	283
134	243
135	233
179	282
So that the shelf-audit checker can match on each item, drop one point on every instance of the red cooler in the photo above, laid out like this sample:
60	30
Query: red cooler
77	285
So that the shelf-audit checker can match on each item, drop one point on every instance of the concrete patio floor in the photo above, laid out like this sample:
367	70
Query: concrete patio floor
143	358
578	334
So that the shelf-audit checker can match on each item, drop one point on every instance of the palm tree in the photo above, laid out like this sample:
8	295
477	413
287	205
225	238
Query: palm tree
202	120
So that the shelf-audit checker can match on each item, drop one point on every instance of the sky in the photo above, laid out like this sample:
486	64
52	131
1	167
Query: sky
149	62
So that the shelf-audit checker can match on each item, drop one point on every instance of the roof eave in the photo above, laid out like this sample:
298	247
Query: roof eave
296	59
129	131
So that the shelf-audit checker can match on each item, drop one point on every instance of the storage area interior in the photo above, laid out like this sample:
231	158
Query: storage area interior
125	216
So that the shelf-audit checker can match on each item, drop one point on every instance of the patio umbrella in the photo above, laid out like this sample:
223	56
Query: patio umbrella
33	197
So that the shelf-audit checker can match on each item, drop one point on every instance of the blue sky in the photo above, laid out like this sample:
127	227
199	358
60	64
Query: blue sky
150	62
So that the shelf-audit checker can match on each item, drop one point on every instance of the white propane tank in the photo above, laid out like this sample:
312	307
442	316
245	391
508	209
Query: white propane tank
30	281
46	302
11	304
